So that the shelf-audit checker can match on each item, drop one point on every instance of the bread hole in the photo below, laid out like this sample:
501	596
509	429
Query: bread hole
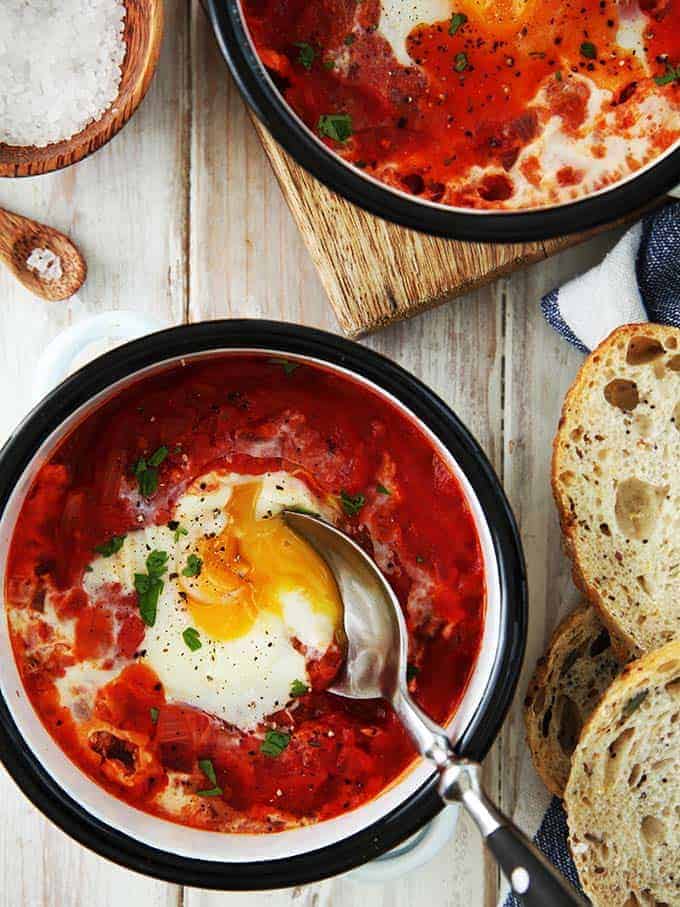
622	394
570	724
604	529
671	343
674	363
637	507
602	454
673	687
601	643
659	370
643	425
617	752
646	585
675	418
567	477
661	764
634	776
653	830
631	900
642	349
576	434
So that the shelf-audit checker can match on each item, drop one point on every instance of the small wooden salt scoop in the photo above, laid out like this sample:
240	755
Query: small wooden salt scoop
43	259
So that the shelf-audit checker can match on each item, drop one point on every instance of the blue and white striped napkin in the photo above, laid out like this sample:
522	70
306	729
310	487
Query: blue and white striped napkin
639	280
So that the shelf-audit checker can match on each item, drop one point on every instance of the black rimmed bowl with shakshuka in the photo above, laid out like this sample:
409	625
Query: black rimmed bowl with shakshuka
489	120
168	642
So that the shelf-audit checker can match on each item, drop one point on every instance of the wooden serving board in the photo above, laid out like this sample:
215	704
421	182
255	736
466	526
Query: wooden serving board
375	272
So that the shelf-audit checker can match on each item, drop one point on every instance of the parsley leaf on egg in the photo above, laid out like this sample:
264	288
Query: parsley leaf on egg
671	75
588	50
336	126
298	688
194	566
114	544
149	586
352	503
154	714
274	743
206	767
306	55
174	526
192	639
158	456
381	489
457	21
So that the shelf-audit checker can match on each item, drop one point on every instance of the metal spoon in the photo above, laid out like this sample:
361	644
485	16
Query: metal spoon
375	667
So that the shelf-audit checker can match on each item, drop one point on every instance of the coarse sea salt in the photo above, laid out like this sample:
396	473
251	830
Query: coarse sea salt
45	264
60	66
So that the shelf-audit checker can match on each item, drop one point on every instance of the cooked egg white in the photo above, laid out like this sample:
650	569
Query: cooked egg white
398	18
259	587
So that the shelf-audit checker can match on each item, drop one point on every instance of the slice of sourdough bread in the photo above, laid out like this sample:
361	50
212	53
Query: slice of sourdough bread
616	482
568	682
623	793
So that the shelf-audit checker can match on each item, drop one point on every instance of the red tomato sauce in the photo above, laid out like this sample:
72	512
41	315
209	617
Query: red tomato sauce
219	414
470	96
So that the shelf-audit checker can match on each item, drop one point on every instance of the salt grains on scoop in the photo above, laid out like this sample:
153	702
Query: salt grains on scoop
60	66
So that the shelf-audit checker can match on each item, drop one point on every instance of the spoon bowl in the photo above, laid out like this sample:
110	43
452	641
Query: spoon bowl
375	667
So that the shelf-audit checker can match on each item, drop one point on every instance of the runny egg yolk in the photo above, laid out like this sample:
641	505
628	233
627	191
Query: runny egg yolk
250	566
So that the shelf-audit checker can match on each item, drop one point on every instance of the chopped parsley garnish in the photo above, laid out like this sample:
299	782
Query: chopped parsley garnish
154	714
329	64
352	503
146	471
588	50
288	366
336	126
149	586
192	639
350	39
88	568
381	489
412	672
206	767
558	75
298	688
179	531
275	743
457	21
671	75
194	566
306	55
114	544
461	63
420	559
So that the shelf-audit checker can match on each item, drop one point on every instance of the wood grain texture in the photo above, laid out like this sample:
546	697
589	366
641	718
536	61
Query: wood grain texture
143	31
19	236
376	273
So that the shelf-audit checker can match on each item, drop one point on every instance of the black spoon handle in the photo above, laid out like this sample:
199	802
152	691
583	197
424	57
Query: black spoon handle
535	881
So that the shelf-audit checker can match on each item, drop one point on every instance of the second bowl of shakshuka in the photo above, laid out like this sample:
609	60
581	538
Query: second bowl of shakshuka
170	641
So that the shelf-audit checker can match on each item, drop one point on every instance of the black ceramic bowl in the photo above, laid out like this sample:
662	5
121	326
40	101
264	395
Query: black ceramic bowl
206	859
257	88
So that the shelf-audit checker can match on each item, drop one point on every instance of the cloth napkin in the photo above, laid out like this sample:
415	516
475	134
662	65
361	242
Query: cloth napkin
639	280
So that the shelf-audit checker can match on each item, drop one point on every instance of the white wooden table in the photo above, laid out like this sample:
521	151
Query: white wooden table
181	216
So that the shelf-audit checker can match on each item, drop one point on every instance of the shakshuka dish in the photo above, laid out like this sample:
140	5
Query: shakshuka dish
177	639
501	104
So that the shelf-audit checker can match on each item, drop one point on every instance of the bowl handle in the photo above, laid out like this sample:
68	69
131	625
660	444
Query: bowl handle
68	350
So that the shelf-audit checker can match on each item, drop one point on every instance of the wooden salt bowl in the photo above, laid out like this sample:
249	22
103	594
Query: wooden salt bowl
143	30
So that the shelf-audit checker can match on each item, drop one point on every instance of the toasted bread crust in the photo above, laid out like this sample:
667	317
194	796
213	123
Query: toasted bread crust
608	363
578	666
624	787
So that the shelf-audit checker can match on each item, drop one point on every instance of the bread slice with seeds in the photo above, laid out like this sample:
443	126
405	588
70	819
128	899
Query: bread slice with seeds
616	482
623	793
567	684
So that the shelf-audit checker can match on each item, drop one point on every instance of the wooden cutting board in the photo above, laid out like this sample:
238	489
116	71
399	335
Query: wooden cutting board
375	272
